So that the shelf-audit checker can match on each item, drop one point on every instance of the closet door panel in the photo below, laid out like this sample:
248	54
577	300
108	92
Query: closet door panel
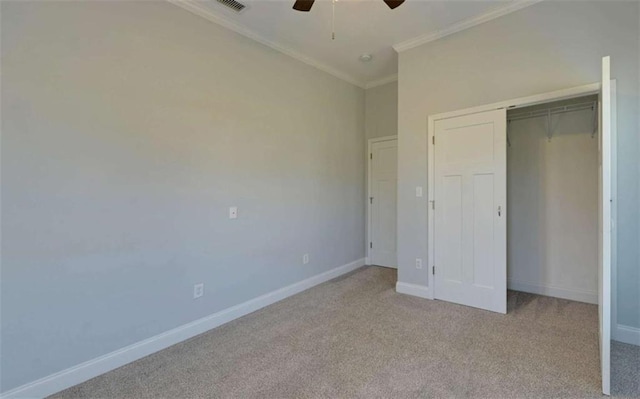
470	210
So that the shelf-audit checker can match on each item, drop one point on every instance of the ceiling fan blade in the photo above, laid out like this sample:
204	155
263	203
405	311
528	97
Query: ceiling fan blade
393	3
303	5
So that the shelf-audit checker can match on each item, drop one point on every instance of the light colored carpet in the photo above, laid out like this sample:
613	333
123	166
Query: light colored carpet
356	337
625	370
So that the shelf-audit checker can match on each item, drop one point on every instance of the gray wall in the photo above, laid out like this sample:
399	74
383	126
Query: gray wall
381	110
545	47
128	129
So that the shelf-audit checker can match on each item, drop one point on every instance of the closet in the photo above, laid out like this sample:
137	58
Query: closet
522	196
552	197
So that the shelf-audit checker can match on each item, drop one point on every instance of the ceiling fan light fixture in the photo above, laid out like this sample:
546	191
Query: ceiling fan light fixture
365	58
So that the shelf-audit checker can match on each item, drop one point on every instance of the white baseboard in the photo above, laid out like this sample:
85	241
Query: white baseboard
82	372
557	292
626	334
414	289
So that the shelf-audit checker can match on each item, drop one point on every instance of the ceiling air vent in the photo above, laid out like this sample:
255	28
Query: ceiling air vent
232	4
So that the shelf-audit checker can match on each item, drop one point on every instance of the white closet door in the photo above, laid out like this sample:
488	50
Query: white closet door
384	183
470	210
607	117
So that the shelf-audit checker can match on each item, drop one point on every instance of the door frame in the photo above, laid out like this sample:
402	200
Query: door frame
558	95
370	143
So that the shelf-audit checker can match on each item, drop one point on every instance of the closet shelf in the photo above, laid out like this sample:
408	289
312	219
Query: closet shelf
548	112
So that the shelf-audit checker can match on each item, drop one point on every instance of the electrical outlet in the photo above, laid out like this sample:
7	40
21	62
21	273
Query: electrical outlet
198	290
305	259
418	263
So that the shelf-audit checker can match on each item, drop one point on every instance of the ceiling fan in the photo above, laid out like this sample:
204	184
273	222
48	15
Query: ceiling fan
305	5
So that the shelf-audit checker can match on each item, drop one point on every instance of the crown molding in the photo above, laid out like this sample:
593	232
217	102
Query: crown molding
380	82
194	7
515	5
197	9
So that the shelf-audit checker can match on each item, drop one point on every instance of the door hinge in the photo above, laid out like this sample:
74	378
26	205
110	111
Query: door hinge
433	270
433	140
371	200
433	204
371	156
370	245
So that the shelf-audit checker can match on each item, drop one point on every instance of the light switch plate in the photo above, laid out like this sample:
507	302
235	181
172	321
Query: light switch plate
198	290
233	212
418	191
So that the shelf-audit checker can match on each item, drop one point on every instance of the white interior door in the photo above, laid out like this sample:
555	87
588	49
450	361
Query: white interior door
470	210
383	186
607	118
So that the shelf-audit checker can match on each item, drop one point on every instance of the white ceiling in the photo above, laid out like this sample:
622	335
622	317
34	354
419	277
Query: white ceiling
361	27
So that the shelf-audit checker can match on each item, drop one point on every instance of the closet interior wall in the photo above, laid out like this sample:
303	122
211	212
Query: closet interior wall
552	198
